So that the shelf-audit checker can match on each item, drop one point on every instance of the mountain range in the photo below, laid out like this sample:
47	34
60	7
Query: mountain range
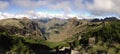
27	36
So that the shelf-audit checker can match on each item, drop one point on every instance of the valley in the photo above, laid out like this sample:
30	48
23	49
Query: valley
54	36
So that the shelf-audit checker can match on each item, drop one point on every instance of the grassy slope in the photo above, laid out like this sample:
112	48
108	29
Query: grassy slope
11	22
107	38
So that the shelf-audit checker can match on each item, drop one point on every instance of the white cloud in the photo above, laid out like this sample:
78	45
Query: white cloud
104	7
3	5
31	3
78	4
33	15
51	4
9	15
39	15
65	5
5	15
99	7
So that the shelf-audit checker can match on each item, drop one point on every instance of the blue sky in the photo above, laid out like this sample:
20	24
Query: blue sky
94	8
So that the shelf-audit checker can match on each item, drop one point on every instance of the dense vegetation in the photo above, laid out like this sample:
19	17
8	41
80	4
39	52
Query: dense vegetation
106	39
20	45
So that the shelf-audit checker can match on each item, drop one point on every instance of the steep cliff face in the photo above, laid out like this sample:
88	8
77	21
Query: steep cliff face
22	27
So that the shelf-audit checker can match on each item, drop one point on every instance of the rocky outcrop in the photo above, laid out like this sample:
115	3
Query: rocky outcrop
91	41
75	52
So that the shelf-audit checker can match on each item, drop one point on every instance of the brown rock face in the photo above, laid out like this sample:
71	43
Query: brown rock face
72	27
73	21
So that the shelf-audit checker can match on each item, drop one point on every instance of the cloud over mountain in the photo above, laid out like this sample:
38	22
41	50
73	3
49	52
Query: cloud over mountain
33	15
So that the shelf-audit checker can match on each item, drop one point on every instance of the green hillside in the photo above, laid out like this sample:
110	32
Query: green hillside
106	37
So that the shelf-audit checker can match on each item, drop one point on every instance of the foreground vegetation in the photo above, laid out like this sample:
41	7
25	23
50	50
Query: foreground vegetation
106	39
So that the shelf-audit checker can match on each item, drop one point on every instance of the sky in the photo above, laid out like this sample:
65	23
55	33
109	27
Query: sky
59	8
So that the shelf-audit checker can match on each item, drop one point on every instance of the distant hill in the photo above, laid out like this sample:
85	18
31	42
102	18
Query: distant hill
107	19
24	27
